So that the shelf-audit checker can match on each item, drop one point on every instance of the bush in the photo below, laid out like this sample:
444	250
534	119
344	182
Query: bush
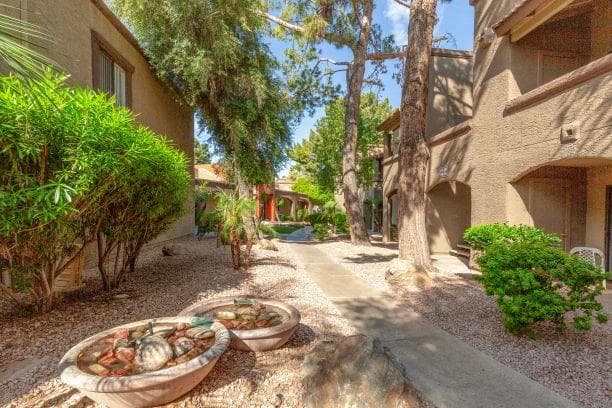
483	236
285	218
533	279
321	230
341	223
76	169
208	221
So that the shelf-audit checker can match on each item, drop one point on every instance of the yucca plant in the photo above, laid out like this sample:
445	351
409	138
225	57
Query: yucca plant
233	210
18	43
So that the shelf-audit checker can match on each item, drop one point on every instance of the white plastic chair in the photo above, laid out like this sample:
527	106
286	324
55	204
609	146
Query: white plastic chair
592	255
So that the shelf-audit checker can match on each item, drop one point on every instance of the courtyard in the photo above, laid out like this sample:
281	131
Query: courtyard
572	365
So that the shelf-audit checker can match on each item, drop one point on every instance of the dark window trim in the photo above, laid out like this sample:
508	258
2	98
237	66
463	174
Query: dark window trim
98	45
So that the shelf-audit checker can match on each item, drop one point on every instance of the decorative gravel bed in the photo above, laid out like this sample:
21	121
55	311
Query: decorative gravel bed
162	286
574	364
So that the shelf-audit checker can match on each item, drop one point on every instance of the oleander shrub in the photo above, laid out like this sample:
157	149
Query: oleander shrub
74	168
533	279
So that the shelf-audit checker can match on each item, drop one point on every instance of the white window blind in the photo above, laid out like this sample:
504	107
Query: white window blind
120	86
113	79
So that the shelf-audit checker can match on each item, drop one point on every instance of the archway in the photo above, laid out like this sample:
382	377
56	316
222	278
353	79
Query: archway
449	209
567	197
285	208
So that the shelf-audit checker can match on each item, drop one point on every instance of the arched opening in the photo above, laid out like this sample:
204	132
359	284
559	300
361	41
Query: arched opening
571	198
449	209
284	208
302	210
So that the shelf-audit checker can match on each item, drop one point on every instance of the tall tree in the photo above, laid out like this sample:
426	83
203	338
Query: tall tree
314	158
213	55
345	24
413	151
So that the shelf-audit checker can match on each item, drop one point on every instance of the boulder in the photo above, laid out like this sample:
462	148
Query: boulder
355	372
403	272
169	250
267	245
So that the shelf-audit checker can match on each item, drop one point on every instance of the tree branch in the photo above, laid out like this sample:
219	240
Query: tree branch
299	29
280	22
403	3
331	61
379	56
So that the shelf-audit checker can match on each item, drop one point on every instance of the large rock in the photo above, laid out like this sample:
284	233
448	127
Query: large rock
267	245
356	372
403	272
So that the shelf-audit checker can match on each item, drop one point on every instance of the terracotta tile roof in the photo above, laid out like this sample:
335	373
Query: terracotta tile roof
211	172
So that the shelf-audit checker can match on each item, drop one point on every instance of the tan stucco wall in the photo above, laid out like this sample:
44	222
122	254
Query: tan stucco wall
502	148
70	23
597	178
450	93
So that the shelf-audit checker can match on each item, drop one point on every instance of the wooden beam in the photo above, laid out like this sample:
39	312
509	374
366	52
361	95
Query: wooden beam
541	15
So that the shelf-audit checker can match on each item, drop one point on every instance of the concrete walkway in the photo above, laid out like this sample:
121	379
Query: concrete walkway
447	371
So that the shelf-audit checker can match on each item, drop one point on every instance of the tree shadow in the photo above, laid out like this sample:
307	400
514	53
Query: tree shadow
364	258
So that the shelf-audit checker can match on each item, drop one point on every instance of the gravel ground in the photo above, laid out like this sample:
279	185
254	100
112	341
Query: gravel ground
574	364
162	286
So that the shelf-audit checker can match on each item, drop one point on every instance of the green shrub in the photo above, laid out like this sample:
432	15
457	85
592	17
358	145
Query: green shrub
483	236
533	279
341	223
321	230
285	218
208	221
269	231
75	168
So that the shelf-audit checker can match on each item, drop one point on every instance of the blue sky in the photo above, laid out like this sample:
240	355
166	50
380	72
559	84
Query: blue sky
455	18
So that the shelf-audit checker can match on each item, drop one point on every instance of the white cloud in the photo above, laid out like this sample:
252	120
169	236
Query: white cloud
399	16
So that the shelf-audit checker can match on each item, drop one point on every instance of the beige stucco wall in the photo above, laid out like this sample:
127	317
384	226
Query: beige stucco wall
70	22
502	148
597	178
450	92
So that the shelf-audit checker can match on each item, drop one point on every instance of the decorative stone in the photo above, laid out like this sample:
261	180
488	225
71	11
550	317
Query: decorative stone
98	369
117	343
153	353
224	315
189	355
199	333
267	245
137	335
125	354
182	345
356	372
163	329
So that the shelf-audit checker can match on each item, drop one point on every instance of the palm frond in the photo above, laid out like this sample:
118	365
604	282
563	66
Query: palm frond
19	41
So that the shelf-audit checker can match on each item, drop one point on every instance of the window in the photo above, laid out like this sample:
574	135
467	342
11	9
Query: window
112	73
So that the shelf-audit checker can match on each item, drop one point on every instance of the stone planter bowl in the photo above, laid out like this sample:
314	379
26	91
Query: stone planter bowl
264	339
148	389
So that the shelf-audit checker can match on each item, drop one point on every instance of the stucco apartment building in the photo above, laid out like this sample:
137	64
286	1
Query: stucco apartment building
92	45
274	201
537	149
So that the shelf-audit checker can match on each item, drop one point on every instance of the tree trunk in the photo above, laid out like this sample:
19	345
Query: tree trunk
244	191
413	151
235	248
355	74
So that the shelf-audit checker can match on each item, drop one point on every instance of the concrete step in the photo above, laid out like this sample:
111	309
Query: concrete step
460	253
464	247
